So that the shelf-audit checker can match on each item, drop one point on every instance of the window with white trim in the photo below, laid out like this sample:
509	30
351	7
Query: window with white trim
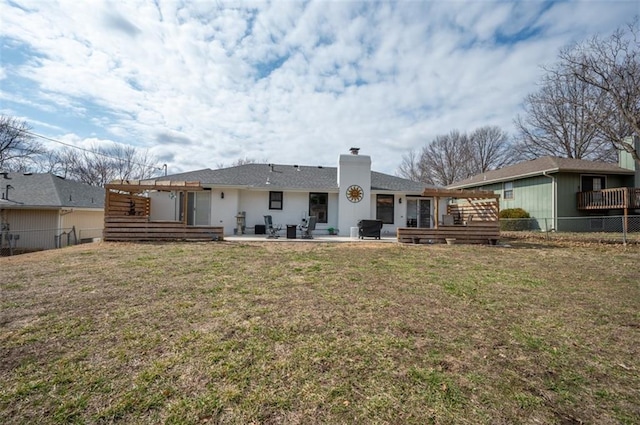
318	206
275	200
384	208
507	190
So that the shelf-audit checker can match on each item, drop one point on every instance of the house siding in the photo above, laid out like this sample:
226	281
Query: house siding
88	224
37	228
569	186
531	194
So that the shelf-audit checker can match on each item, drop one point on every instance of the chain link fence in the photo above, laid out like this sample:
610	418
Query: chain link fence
589	229
24	241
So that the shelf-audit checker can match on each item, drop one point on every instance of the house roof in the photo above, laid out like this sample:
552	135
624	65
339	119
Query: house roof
539	166
46	190
289	177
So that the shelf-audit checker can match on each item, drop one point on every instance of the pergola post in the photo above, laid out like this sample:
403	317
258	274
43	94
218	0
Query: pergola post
185	204
437	212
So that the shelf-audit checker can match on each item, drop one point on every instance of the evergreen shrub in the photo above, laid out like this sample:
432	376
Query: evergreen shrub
514	219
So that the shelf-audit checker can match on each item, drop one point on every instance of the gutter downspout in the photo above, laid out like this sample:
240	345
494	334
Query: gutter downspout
554	194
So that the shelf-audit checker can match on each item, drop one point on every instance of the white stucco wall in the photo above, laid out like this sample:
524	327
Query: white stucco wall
163	207
353	170
224	210
399	213
255	204
295	207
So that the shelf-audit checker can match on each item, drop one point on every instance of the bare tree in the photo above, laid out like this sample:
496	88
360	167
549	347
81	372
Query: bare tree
410	168
48	161
17	147
100	165
491	148
456	156
446	159
610	67
558	121
240	161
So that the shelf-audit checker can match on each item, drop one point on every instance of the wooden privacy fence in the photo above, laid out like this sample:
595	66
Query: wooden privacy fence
128	211
128	204
473	211
474	232
134	229
473	218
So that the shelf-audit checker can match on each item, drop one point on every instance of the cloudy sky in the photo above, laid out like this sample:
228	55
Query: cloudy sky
203	83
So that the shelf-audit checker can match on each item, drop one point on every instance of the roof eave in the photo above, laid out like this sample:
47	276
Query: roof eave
502	179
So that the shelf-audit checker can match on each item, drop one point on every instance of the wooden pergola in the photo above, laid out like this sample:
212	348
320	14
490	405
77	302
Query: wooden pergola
473	218
123	195
128	213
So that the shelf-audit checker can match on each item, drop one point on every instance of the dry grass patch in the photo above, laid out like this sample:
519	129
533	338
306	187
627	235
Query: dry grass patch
320	333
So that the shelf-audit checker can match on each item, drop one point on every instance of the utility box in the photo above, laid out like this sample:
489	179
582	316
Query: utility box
260	229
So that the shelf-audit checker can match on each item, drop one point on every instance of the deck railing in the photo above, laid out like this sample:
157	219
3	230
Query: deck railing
616	198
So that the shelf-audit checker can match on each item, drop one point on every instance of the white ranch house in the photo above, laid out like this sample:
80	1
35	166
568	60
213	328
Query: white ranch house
338	196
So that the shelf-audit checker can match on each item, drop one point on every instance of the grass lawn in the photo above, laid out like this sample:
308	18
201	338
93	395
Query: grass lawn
321	333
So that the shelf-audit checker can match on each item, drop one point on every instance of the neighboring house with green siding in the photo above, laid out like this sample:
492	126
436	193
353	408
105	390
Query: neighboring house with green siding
549	188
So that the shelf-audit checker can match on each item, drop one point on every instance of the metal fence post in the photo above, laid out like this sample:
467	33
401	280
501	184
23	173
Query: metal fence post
546	229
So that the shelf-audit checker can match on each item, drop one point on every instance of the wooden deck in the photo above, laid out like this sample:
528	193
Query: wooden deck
142	229
481	232
615	198
127	212
471	218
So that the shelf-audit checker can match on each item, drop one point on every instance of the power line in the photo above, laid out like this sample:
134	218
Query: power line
40	136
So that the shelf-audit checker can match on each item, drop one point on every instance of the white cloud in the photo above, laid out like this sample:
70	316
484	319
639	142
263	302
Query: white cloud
202	83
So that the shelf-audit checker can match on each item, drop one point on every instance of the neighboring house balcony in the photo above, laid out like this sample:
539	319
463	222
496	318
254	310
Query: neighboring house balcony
615	198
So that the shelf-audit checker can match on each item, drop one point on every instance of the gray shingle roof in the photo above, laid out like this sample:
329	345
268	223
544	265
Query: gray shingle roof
548	164
290	177
49	191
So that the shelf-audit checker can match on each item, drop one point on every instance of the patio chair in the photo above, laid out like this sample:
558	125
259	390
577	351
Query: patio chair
272	232
309	227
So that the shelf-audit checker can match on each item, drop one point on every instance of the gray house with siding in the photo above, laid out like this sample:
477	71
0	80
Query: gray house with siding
549	188
36	208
